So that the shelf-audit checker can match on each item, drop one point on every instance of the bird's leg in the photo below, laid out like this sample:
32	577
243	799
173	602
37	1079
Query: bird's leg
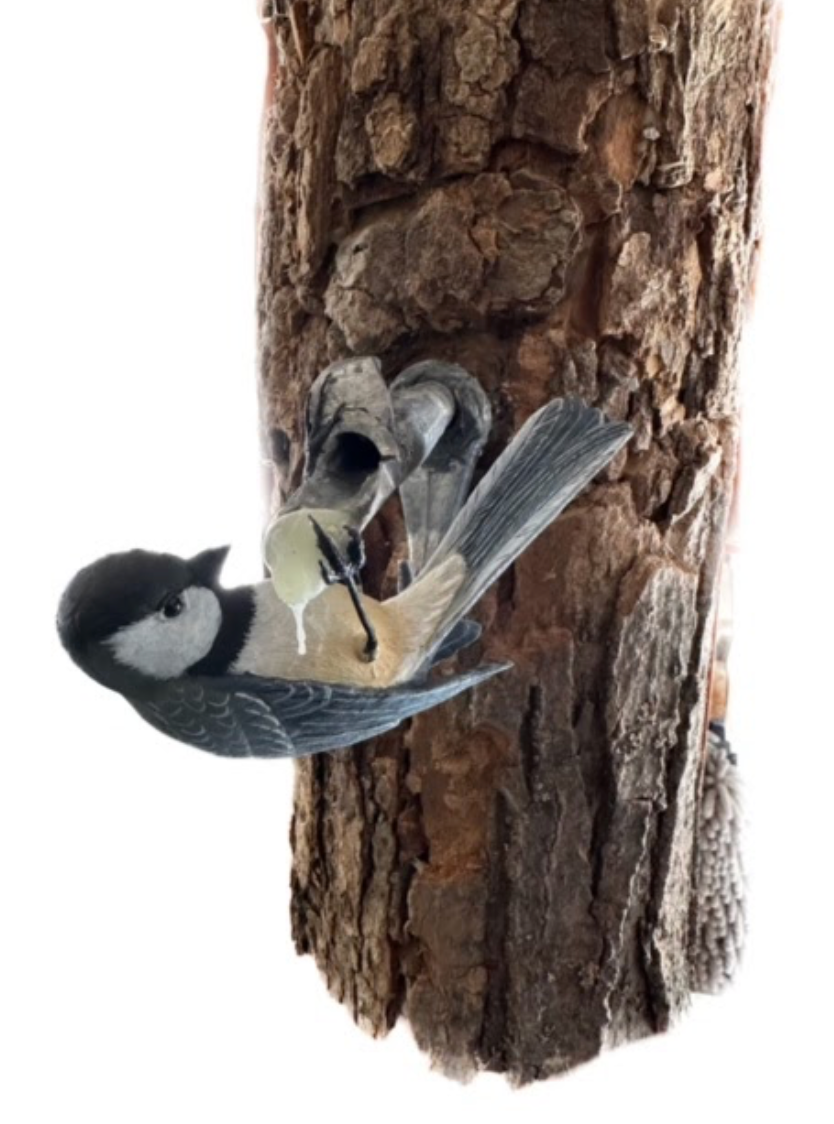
334	569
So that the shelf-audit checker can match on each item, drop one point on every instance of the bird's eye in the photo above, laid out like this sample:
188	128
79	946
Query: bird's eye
172	606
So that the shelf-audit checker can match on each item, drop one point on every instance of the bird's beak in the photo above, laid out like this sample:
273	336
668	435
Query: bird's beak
207	565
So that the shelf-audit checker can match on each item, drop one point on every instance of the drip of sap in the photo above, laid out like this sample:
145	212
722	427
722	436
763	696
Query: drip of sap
300	634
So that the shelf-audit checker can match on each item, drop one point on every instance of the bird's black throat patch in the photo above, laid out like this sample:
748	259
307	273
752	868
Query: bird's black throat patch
238	608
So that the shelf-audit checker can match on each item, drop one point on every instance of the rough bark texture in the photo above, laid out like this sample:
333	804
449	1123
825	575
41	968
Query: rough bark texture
561	196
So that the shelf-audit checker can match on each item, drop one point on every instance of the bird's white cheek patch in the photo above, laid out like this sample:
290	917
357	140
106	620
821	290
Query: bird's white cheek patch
165	648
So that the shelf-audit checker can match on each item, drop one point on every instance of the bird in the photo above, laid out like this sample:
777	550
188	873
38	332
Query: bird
220	669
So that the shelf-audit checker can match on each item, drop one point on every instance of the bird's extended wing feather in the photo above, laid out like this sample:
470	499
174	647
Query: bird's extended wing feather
249	716
224	720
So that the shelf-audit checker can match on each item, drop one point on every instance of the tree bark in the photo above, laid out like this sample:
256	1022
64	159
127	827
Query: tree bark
561	195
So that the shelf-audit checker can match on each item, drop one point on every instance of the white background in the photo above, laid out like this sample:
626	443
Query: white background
148	972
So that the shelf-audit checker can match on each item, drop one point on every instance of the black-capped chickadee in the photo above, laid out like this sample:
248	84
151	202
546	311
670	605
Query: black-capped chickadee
221	669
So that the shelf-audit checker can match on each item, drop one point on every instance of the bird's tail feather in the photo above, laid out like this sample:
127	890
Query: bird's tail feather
555	454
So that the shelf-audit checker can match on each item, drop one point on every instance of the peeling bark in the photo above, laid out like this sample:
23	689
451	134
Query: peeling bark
561	195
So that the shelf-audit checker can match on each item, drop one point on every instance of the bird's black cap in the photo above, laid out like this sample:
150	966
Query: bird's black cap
122	588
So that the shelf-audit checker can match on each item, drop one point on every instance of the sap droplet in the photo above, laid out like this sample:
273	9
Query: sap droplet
300	633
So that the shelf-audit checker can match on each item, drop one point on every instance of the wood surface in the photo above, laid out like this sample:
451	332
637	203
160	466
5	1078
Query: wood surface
562	196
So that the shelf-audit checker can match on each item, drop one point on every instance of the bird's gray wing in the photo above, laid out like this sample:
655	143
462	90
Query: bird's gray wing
464	633
218	718
249	716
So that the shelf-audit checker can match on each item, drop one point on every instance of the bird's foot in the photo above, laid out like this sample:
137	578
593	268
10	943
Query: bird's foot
334	568
355	550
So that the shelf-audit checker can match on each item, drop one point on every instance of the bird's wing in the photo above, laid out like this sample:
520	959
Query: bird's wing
249	716
464	633
220	719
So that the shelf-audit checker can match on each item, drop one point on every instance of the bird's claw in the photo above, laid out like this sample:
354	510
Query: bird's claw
332	566
355	552
328	576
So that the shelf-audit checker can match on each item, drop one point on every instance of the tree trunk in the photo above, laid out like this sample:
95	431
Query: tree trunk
561	195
